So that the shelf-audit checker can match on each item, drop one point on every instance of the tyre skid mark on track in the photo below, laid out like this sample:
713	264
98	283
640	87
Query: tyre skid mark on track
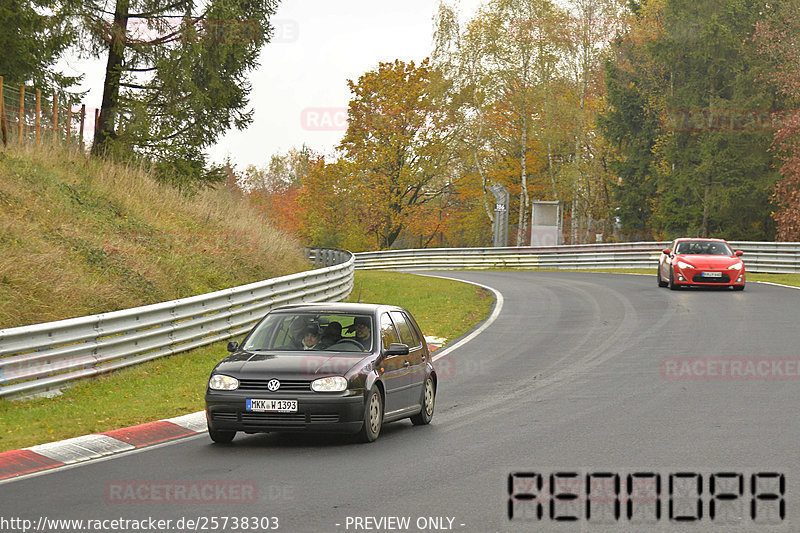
546	385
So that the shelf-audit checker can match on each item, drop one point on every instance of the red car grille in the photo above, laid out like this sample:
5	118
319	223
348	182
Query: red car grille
699	278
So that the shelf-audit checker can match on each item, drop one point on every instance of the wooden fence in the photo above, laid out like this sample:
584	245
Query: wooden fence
26	115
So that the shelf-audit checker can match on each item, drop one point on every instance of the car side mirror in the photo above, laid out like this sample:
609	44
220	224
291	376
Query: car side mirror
665	251
738	252
397	348
233	346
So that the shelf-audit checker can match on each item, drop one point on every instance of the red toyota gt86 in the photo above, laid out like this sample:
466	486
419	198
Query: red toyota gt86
702	262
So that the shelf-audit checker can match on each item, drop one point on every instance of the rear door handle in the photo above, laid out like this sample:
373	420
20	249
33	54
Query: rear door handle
406	363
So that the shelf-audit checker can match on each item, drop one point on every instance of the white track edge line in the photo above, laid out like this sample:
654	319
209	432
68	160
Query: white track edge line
498	306
776	284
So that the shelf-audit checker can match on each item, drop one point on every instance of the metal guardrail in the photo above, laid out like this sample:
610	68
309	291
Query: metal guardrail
41	357
46	356
325	257
769	257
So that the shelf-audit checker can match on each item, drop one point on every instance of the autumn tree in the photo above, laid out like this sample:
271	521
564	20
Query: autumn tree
590	26
504	67
328	210
276	188
396	150
777	39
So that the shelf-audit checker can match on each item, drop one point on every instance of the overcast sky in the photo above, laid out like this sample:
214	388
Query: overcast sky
300	90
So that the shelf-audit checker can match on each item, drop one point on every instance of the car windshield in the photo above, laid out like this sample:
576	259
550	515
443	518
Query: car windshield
703	248
303	331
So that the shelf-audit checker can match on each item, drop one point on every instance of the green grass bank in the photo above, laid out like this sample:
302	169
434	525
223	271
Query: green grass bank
82	236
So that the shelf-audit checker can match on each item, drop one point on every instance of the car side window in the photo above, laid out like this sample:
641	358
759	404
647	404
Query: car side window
407	335
388	332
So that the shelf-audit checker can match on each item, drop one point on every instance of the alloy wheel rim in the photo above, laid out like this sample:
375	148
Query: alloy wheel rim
374	414
429	397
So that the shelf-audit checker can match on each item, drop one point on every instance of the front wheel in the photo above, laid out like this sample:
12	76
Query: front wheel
428	400
373	416
672	285
738	287
660	282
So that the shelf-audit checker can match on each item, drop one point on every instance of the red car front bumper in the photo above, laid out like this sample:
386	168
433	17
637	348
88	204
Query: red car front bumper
713	277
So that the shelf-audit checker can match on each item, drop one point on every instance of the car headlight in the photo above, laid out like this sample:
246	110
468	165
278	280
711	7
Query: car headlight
331	384
681	264
223	382
736	266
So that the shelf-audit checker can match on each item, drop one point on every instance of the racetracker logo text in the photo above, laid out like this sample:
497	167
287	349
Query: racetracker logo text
181	492
730	368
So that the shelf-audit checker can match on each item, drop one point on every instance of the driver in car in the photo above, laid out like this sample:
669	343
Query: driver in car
361	325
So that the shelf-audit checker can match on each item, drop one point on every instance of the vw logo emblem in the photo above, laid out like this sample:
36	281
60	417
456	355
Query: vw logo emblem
273	385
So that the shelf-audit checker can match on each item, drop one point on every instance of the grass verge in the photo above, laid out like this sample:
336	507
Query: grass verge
443	308
175	385
83	236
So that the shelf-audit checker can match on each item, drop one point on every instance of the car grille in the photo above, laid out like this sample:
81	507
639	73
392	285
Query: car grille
324	419
216	415
699	278
287	385
264	419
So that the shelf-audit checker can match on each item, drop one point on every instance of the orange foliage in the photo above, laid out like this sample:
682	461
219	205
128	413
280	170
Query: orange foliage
282	208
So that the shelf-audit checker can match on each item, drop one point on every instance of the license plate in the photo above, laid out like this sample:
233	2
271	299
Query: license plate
272	406
712	274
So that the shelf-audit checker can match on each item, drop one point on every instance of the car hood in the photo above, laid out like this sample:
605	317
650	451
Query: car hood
708	261
294	365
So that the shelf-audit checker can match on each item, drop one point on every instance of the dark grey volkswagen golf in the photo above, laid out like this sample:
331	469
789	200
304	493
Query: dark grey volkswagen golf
335	367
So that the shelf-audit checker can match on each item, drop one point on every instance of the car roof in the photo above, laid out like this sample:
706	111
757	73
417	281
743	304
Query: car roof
338	307
709	239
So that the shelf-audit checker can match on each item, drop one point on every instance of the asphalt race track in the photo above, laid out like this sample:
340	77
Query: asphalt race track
582	374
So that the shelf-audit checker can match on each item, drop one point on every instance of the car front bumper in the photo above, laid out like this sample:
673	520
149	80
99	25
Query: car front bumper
337	412
696	276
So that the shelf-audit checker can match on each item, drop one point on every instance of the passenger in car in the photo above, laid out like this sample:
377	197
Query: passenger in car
332	335
311	338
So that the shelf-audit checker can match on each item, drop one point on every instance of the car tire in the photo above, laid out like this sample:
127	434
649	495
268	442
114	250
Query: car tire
738	287
373	416
660	282
672	285
221	436
428	403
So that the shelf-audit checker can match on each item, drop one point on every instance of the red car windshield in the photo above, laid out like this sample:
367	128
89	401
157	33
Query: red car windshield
703	248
